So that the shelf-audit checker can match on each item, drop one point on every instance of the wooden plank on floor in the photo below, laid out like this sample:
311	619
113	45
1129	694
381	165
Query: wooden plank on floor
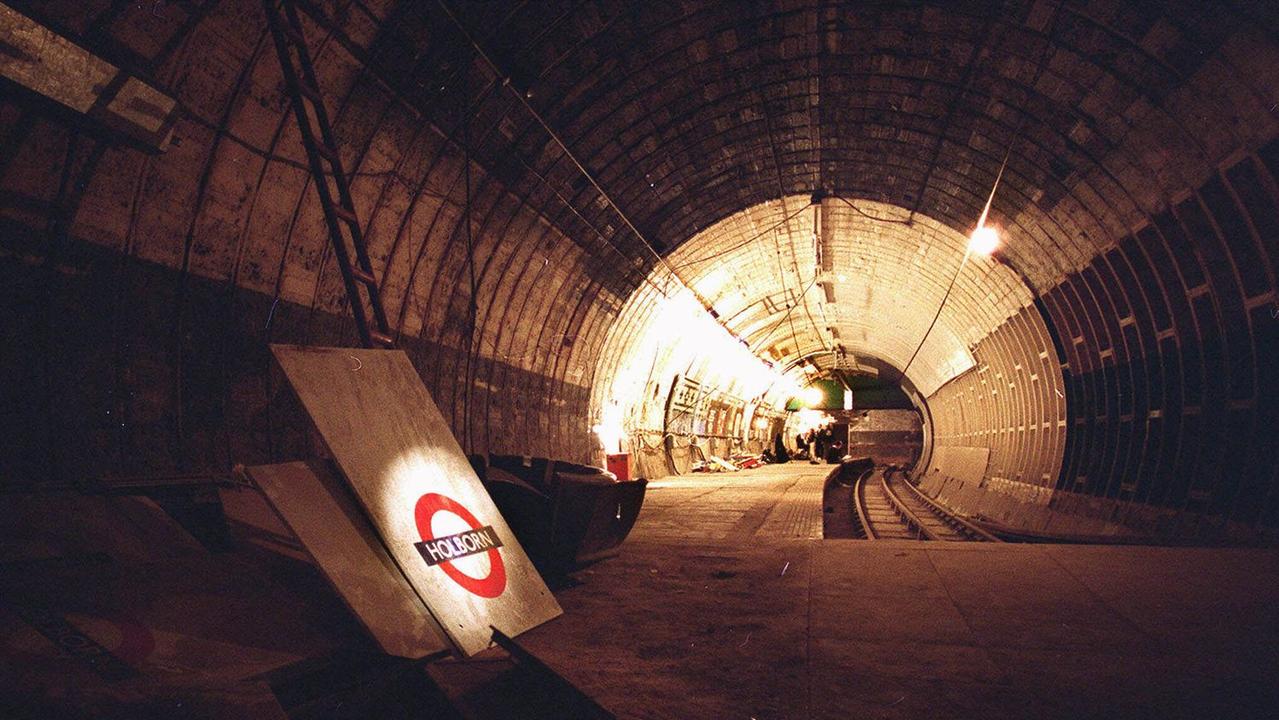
399	455
316	507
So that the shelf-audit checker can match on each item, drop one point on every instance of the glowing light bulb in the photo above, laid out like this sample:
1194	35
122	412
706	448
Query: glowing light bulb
984	240
610	429
813	396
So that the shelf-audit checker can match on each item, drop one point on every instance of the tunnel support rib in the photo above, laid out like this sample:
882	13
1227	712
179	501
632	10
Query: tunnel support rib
326	169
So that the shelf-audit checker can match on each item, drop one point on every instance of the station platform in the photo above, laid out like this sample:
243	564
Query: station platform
726	603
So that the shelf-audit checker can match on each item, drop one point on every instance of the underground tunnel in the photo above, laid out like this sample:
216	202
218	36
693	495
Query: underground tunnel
803	358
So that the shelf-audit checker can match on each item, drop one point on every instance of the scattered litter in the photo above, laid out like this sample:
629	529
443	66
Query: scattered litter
785	567
714	463
748	639
723	464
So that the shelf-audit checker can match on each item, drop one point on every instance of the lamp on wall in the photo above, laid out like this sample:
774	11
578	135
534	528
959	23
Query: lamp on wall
609	429
983	241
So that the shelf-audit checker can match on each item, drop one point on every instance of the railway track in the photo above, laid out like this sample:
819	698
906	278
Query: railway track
890	508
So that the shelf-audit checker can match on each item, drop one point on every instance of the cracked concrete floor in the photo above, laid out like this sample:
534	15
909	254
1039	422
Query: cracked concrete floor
725	603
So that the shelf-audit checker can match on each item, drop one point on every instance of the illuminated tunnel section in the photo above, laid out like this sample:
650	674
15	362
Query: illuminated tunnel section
810	287
1110	361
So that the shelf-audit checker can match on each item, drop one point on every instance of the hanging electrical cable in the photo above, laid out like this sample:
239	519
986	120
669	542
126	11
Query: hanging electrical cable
908	221
472	316
790	236
984	240
968	251
523	98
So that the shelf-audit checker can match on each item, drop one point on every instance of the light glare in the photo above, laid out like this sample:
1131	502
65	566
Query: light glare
813	396
984	240
609	429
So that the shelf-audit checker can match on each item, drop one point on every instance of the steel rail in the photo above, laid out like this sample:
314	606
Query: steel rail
910	518
859	504
960	525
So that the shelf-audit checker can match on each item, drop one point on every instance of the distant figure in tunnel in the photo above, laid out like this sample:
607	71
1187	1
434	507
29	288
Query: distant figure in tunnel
779	449
825	439
816	446
836	452
801	446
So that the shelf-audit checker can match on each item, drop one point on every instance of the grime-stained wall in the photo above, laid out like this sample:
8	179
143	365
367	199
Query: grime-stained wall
147	286
1138	206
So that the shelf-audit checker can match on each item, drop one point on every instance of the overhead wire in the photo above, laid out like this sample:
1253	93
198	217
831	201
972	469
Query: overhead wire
981	223
523	99
985	213
909	221
473	301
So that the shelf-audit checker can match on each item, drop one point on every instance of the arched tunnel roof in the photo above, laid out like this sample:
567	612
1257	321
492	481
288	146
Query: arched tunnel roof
690	113
588	143
801	280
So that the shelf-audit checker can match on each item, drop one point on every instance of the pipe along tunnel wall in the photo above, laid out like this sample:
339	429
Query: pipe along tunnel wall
1141	214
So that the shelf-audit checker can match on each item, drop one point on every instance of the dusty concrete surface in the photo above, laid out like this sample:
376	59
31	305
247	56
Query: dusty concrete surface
725	604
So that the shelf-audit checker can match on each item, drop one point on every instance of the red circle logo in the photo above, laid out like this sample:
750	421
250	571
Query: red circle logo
488	587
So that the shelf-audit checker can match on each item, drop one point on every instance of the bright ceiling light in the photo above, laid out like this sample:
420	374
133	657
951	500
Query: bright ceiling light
984	240
813	396
843	278
806	420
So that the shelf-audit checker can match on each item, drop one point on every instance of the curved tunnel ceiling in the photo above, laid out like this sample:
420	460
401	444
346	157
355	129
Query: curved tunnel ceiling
817	285
870	283
687	114
1138	209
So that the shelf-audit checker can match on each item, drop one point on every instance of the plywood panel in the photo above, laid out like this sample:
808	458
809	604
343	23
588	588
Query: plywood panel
88	636
74	525
410	474
318	510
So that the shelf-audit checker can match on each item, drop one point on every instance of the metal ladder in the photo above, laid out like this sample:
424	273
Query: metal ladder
330	179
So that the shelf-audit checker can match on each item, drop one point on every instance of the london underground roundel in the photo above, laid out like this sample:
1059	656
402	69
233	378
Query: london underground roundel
446	549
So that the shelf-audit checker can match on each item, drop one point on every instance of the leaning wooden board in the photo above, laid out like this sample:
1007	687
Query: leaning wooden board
311	501
437	521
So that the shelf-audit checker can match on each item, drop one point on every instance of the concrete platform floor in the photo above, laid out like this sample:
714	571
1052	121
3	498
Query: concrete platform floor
725	603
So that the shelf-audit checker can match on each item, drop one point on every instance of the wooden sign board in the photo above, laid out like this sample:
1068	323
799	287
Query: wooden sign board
316	507
407	470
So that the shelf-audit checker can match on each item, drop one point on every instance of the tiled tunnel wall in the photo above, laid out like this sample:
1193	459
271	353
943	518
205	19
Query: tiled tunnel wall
147	287
1141	185
1169	340
1164	397
1011	402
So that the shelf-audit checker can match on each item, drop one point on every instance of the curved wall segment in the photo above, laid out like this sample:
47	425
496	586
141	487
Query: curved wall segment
518	203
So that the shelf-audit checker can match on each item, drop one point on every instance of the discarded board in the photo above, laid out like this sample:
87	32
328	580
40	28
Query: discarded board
317	509
66	524
86	636
421	493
